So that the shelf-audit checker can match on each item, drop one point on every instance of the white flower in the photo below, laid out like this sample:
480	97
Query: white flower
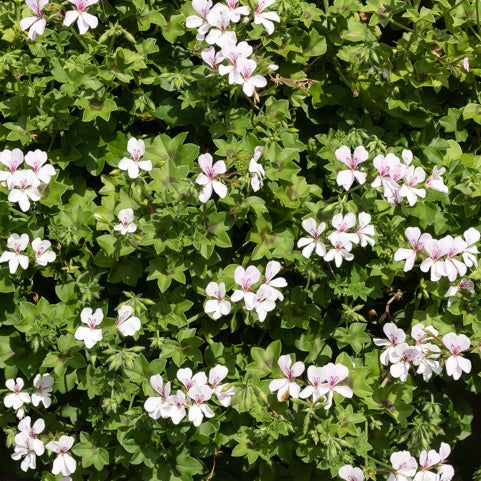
346	178
456	364
18	398
211	57
156	406
64	463
471	236
43	254
235	53
272	269
15	258
218	19
90	335
417	241
395	336
126	324
84	20
218	306
199	395
465	284
36	160
265	18
349	473
30	448
342	247
133	166
37	23
413	177
342	224
174	407
256	169
193	21
12	159
43	384
315	376
189	381
235	11
466	64
308	243
287	386
249	82
23	186
406	354
244	278
435	181
365	229
216	375
404	465
263	301
207	177
332	374
126	218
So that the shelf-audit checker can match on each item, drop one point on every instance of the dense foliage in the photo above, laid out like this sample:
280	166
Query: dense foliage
248	232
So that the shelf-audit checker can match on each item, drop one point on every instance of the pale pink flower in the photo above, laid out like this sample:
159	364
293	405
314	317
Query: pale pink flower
190	381
244	278
43	254
90	335
365	229
234	53
412	177
456	364
349	473
249	82
174	407
471	237
126	218
389	168
421	334
315	376
445	471
287	386
272	269
25	427
404	466
37	160
133	165
342	248
265	18
43	389
216	375
17	398
342	224
235	11
417	240
23	186
127	324
202	7
218	306
218	19
314	242
211	57
346	178
37	23
453	247
406	355
465	284
407	156
256	169
207	177
263	301
29	448
64	463
12	159
395	335
156	406
84	20
17	243
435	181
428	361
435	250
333	374
466	64
199	395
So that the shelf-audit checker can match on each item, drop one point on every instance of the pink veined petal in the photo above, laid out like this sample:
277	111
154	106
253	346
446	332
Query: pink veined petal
284	362
360	176
298	368
219	167
70	17
145	165
464	364
253	274
345	178
307	251
309	225
205	162
27	22
345	391
294	390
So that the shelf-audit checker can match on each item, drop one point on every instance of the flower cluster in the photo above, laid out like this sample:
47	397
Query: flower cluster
263	300
442	257
398	179
43	387
133	165
36	24
426	352
127	324
214	27
18	244
210	170
432	466
197	390
25	184
324	381
341	239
